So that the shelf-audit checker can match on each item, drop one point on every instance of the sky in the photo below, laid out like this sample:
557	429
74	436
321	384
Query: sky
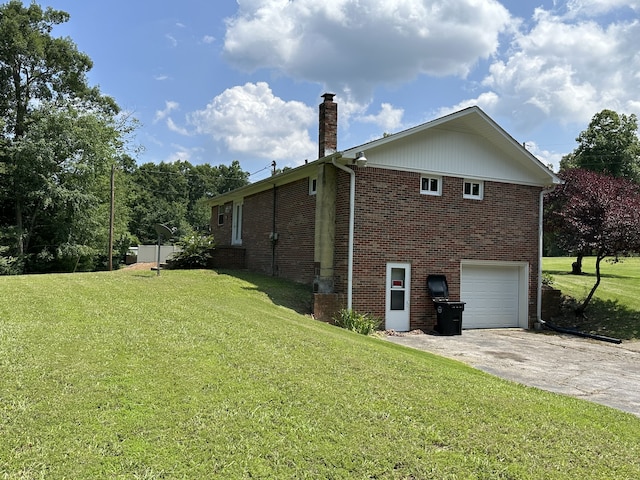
217	81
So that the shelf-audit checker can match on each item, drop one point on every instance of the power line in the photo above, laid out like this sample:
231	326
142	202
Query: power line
195	174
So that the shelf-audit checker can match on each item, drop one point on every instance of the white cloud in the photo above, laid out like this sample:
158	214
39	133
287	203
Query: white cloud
566	71
486	101
171	125
208	39
357	44
594	8
185	154
161	77
389	118
250	119
547	157
172	40
169	106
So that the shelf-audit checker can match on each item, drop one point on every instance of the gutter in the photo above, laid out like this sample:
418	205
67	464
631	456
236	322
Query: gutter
352	210
541	250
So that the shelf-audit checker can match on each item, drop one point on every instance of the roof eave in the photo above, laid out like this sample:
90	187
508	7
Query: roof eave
268	183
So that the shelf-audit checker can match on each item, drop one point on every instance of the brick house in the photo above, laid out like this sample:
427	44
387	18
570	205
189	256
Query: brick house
364	227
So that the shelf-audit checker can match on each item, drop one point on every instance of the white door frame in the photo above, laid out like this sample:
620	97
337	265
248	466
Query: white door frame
398	296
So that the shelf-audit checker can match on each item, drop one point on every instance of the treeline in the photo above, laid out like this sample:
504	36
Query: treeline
66	220
65	154
176	194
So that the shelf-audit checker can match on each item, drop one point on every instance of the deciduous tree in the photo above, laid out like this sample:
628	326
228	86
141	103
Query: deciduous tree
596	213
175	194
609	145
58	136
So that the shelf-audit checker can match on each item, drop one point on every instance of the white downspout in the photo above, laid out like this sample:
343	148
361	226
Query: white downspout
541	250
352	214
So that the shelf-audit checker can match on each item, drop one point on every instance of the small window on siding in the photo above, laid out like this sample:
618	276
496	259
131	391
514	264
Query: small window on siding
220	215
473	189
431	185
313	185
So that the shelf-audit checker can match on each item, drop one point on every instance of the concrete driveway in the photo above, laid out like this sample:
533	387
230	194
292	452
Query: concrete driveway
597	371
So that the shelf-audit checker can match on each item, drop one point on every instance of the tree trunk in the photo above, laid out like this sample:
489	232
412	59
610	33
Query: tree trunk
576	267
18	132
581	309
19	229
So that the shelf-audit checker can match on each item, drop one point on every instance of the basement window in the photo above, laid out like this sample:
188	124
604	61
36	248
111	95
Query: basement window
313	185
473	189
430	185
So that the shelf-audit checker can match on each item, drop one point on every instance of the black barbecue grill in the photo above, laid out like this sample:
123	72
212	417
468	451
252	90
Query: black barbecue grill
449	312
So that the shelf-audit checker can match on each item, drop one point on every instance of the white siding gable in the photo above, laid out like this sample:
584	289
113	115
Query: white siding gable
467	145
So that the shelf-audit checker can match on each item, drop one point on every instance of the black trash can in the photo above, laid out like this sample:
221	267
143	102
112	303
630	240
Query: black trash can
449	312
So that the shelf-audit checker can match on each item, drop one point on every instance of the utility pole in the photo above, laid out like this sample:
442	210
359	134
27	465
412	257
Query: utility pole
112	215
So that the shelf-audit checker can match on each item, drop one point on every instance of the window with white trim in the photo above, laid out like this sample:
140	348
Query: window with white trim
430	185
220	215
236	224
473	189
313	185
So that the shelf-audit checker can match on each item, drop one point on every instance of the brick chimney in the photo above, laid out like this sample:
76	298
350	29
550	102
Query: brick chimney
328	126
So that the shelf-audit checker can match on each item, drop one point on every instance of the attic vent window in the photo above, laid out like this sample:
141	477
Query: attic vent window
313	185
473	189
430	185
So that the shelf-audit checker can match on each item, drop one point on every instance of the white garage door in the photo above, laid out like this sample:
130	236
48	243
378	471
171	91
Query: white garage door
491	294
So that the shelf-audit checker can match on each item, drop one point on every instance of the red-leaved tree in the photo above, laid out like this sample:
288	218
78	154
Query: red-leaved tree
595	214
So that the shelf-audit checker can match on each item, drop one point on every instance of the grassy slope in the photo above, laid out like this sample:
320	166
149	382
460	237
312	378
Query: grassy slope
615	308
200	375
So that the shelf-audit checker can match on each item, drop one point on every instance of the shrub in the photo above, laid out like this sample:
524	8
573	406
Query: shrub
9	265
363	323
195	253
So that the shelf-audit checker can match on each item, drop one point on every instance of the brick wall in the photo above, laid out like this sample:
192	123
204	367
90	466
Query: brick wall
327	305
395	223
228	257
295	221
222	233
257	224
296	218
551	303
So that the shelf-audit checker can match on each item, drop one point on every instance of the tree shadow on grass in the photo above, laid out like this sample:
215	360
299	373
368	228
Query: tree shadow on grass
295	296
604	317
584	274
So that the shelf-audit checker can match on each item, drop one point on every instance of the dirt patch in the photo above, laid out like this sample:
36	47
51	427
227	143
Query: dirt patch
393	333
141	266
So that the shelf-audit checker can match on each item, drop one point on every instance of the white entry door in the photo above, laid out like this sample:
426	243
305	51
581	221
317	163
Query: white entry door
398	296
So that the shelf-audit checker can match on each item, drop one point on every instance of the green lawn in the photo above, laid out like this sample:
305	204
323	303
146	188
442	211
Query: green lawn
615	308
204	375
